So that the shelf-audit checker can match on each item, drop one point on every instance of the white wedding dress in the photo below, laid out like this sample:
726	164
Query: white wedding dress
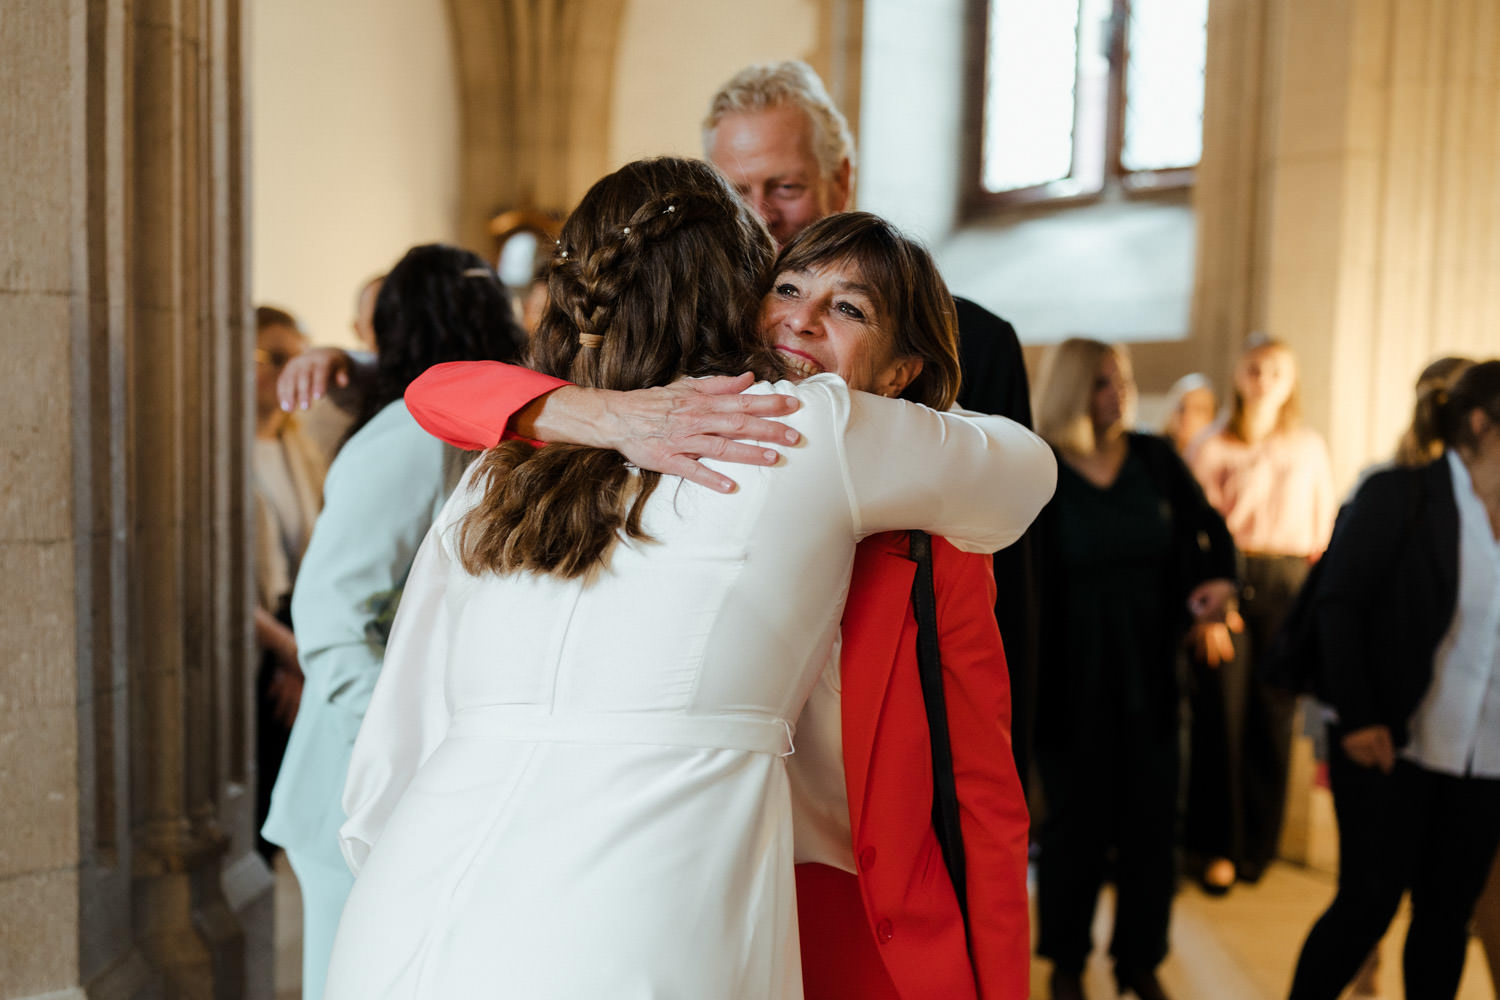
575	788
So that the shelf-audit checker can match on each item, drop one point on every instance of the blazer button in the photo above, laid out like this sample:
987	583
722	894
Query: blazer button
884	931
867	859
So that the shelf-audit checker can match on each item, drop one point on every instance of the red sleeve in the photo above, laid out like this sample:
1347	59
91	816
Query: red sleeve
469	403
992	808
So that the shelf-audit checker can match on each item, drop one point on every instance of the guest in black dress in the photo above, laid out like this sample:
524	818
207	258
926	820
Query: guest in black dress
1130	553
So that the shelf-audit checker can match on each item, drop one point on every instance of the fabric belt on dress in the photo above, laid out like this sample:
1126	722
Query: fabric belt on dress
523	723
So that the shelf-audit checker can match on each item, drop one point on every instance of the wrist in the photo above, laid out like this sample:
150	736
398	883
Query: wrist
569	414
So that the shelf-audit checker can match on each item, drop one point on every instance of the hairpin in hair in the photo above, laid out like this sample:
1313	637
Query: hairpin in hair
627	230
671	209
590	339
479	272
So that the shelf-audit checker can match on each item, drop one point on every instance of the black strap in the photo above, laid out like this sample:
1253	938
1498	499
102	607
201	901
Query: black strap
930	668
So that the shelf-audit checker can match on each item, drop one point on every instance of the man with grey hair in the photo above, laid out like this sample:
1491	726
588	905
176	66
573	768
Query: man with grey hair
777	137
775	134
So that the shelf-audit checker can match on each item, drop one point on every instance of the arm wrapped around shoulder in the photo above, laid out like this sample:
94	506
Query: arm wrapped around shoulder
978	481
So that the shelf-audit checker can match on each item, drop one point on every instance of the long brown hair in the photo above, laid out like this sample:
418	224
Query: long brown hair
656	276
919	314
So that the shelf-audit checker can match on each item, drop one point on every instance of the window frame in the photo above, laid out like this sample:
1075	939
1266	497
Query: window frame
1069	190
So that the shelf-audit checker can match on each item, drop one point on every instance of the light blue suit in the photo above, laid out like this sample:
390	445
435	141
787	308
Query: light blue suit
382	493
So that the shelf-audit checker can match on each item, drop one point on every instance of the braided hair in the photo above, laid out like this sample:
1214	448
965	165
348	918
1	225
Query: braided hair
657	275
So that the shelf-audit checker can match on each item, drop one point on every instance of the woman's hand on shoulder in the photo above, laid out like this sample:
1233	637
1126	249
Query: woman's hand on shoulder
668	429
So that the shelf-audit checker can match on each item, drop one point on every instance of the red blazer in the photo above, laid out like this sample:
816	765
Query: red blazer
908	901
912	934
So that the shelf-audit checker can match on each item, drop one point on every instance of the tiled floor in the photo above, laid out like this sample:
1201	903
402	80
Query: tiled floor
1243	946
1239	947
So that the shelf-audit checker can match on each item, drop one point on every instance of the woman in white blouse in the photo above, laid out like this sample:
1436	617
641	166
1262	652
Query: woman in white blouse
440	303
1408	622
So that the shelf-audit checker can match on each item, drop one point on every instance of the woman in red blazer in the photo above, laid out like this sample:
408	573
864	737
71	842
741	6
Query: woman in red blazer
878	915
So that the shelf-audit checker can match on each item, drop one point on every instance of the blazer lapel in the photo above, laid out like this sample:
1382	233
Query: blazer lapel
879	594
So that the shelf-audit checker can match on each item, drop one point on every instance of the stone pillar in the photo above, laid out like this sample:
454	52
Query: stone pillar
1232	189
1346	201
127	867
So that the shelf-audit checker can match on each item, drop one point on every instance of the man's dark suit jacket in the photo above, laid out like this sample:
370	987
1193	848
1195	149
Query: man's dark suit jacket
994	374
994	381
1388	592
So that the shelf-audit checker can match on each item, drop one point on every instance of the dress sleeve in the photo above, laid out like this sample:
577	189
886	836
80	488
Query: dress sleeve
408	712
978	481
469	403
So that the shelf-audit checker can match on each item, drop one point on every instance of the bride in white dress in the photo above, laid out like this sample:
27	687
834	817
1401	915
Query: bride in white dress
570	781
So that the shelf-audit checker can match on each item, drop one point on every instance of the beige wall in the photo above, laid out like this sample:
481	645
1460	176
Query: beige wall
1348	198
673	55
355	138
912	117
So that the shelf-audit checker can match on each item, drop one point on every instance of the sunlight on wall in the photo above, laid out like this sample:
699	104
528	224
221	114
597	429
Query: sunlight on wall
355	147
673	56
911	114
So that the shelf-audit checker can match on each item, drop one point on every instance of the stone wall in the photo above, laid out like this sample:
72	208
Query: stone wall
1347	198
126	855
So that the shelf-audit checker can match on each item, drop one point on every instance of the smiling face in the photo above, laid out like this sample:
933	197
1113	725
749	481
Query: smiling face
826	319
769	159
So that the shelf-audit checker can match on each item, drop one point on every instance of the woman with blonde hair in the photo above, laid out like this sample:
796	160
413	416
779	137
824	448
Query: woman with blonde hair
1131	554
1270	478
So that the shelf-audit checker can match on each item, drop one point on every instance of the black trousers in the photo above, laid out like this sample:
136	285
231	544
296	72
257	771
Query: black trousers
1113	789
1241	734
1432	834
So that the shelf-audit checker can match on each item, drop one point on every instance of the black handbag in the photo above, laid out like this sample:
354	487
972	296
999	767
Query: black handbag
930	669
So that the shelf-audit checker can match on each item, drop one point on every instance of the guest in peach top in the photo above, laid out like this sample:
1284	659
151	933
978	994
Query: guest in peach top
1270	478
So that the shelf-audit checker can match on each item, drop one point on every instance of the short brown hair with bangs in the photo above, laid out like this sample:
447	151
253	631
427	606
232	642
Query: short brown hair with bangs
906	286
